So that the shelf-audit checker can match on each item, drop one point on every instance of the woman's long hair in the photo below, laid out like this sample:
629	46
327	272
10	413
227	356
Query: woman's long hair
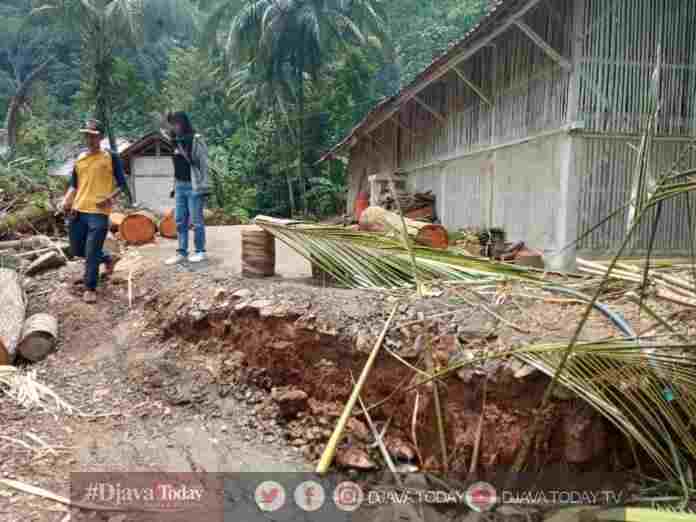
183	119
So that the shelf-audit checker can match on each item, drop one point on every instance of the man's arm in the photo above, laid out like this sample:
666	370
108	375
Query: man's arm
69	197
120	178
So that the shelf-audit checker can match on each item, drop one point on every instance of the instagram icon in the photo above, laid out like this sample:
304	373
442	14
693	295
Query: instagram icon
348	496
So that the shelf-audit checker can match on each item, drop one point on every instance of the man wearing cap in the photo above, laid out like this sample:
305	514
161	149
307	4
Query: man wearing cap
96	180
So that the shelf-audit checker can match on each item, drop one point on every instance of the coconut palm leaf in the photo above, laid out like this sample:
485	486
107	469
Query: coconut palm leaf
625	381
367	260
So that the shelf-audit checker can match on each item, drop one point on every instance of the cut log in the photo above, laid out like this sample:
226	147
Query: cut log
115	220
138	228
38	337
167	226
63	247
422	213
376	219
12	314
45	262
433	236
30	243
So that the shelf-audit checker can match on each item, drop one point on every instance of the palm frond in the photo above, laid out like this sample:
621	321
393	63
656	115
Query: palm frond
368	260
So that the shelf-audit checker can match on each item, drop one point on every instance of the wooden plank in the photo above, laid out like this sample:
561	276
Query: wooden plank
543	44
472	86
428	108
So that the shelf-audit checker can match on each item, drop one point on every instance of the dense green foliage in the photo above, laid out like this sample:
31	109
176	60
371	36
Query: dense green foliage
268	98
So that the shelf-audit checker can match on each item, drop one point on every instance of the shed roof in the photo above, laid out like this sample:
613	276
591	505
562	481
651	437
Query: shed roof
144	143
468	44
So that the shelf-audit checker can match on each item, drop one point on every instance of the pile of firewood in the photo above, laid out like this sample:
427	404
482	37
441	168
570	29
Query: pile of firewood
414	205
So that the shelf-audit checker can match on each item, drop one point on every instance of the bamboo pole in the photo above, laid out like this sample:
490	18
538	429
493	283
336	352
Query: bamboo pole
405	238
330	450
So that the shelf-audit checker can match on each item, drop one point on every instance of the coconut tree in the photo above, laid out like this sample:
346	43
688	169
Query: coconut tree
24	58
107	27
285	43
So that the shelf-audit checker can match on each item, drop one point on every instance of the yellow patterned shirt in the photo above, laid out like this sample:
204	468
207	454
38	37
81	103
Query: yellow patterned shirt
95	177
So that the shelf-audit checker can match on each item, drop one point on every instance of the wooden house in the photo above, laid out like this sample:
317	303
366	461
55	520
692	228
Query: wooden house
150	170
530	122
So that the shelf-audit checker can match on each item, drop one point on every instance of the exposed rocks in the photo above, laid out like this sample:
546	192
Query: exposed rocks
354	458
400	449
242	294
358	429
584	435
291	402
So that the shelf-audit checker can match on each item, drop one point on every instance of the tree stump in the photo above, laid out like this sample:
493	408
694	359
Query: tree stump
38	337
258	253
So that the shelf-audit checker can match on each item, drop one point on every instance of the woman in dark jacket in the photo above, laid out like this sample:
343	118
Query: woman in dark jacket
191	187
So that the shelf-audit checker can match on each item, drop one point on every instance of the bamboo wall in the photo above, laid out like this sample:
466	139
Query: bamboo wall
618	56
528	89
604	167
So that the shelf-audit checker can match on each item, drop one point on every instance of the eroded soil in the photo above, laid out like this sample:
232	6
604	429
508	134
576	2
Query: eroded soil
204	371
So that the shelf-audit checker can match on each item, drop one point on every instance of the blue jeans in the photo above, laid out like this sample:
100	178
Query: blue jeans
87	234
189	209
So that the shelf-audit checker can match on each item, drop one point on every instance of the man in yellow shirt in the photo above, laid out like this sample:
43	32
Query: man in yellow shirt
96	181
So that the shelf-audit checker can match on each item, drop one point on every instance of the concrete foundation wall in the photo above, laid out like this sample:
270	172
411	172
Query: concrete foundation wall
530	190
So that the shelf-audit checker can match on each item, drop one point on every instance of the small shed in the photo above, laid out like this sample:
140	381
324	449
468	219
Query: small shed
150	170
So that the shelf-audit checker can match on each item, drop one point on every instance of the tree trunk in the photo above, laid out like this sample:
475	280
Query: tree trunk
47	261
38	337
12	314
26	220
103	69
24	244
103	74
12	118
300	137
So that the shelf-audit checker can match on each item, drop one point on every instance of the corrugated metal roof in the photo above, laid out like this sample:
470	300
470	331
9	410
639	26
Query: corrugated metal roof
499	9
